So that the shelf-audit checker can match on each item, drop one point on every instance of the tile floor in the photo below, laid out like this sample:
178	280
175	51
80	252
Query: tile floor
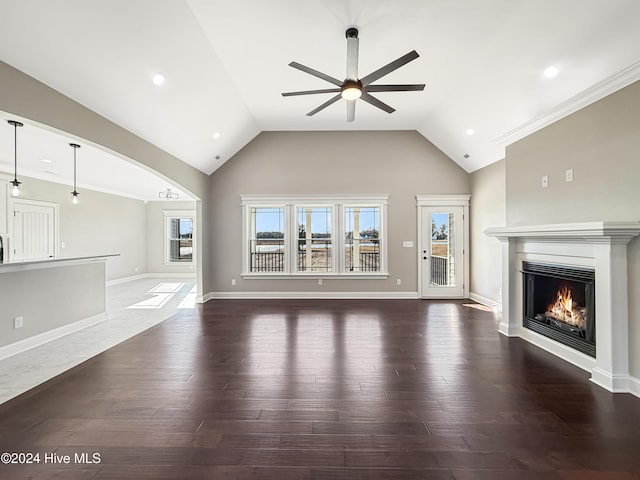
132	307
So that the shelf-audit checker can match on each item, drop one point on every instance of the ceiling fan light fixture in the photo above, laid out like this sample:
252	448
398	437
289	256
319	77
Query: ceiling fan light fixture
351	90
356	87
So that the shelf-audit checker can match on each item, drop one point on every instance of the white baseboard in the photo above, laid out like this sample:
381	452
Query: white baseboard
508	331
634	386
140	276
615	383
496	306
118	281
205	298
310	295
42	338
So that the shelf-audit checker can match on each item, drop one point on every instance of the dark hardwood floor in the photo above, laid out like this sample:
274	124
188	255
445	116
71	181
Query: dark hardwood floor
385	389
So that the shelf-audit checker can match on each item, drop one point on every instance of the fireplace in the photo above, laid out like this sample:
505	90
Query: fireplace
559	303
597	254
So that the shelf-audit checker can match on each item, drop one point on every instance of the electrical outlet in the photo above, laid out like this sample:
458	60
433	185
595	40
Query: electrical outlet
18	322
233	282
63	245
398	281
320	281
545	181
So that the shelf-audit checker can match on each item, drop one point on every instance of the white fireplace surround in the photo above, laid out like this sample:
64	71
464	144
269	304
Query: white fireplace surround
598	245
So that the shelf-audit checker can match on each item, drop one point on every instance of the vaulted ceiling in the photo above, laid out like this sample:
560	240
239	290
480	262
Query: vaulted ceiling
226	65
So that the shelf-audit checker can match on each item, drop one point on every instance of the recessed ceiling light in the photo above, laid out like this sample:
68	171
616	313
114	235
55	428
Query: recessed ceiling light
158	79
470	131
551	72
216	135
45	160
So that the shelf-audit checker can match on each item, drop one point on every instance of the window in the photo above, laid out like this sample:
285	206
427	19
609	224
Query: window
314	235
314	239
179	228
362	239
266	240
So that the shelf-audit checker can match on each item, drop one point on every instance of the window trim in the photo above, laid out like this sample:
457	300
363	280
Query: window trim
291	203
173	214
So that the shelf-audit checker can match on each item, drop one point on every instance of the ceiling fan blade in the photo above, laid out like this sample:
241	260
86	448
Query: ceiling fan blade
310	92
381	72
351	110
316	73
395	88
352	54
376	103
324	105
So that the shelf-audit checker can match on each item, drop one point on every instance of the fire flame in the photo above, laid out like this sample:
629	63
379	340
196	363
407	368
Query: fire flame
565	310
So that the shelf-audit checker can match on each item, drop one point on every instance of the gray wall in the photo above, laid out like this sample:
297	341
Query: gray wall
155	237
48	298
401	164
601	143
26	97
488	209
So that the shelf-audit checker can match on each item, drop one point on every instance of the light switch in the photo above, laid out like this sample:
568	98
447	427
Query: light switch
545	181
407	243
568	175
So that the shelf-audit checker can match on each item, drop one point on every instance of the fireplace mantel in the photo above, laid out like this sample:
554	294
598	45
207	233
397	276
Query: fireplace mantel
576	232
599	245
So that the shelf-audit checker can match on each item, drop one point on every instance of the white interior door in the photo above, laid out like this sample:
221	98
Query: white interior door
442	252
33	231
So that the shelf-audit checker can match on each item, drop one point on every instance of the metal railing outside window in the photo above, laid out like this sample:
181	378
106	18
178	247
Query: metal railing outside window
266	255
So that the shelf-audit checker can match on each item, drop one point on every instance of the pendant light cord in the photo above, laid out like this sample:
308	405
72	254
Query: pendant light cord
15	152
15	124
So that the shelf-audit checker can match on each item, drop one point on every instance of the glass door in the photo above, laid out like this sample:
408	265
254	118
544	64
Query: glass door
442	263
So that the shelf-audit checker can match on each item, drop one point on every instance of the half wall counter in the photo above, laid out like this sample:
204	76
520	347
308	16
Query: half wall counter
42	300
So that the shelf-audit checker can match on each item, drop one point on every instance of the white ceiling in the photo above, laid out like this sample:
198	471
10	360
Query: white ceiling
226	64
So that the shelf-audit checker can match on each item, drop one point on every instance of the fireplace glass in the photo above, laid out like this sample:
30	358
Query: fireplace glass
559	303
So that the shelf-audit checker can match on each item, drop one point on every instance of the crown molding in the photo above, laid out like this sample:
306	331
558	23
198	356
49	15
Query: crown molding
586	97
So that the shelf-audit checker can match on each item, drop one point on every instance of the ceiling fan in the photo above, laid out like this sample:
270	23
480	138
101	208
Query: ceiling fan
353	87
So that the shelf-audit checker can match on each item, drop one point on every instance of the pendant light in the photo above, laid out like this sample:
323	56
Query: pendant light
16	184
74	194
